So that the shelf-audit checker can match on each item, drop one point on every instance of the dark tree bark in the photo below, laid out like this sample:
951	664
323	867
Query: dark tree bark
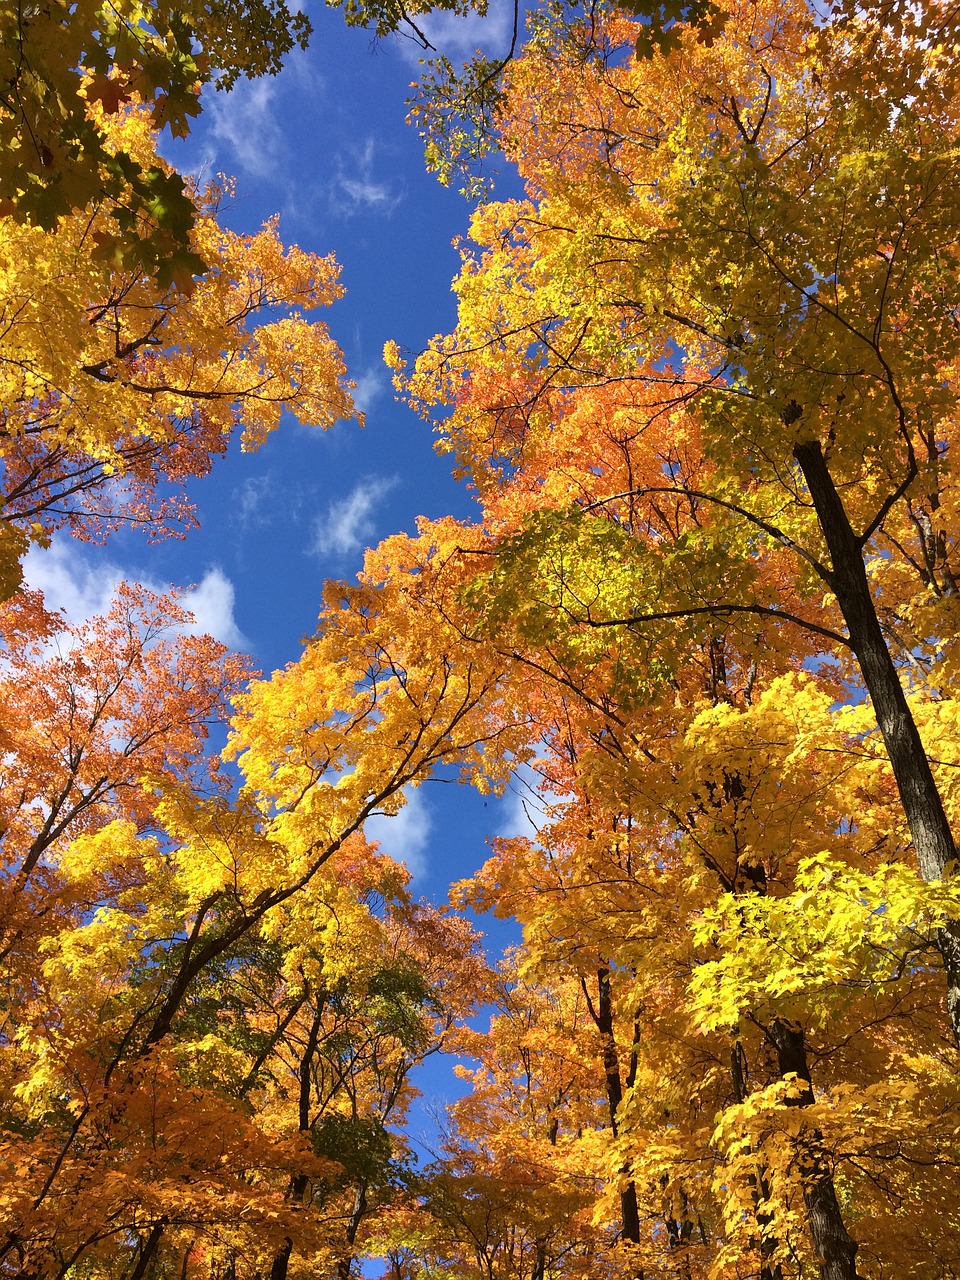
836	1248
919	795
360	1206
769	1270
603	1016
299	1182
149	1248
281	1260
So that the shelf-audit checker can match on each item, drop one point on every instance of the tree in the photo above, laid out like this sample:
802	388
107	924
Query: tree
751	240
213	1000
516	1192
704	381
762	1007
613	897
116	390
88	712
63	74
390	1007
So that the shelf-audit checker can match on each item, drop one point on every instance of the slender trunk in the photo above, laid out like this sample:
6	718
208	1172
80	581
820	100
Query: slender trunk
919	794
299	1182
922	805
185	1264
150	1246
281	1260
344	1266
540	1257
836	1248
679	1234
769	1270
629	1209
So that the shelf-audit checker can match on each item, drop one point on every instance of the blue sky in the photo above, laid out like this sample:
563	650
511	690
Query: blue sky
325	145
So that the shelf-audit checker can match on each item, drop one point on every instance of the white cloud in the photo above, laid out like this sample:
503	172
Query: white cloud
524	809
245	127
363	191
371	384
245	121
301	68
255	500
68	582
458	38
356	186
82	586
349	523
405	835
212	602
273	498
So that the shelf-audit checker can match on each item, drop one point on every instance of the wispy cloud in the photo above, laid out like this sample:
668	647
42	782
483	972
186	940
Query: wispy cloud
245	121
405	835
357	187
255	501
83	586
300	69
371	385
349	524
458	38
524	808
245	128
275	498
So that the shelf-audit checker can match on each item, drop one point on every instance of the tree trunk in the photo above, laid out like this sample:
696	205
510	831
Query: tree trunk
150	1246
603	1016
299	1182
281	1260
769	1270
836	1248
919	796
360	1206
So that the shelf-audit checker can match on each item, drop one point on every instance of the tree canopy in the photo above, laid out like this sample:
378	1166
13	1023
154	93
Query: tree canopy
704	382
116	389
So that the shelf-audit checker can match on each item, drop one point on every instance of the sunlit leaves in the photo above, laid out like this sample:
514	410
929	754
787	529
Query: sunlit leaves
737	247
67	71
837	928
117	388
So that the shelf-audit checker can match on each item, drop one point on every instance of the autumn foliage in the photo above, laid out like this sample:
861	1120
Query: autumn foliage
704	381
117	390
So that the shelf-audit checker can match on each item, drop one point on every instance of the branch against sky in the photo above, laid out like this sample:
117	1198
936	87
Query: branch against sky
117	391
